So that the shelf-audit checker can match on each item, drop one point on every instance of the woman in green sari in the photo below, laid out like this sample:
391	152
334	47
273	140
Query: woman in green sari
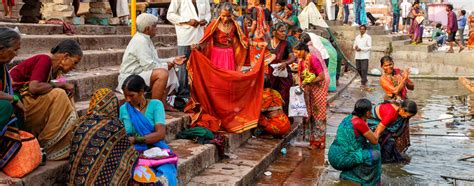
355	151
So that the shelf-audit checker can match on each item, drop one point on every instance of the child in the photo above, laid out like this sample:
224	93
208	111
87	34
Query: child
438	35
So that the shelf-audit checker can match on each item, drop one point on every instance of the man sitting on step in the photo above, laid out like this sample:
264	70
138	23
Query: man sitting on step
141	58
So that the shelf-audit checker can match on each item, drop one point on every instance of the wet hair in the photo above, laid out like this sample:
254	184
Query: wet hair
68	46
384	59
302	46
7	37
463	12
409	106
262	2
305	38
227	7
361	107
439	25
363	26
282	3
266	82
450	6
135	83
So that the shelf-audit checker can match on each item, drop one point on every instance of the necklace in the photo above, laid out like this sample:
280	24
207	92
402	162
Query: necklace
144	105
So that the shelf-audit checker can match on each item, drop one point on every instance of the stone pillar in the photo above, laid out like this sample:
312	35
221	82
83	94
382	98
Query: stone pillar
99	13
57	9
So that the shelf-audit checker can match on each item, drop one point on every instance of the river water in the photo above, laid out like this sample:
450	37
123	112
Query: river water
437	147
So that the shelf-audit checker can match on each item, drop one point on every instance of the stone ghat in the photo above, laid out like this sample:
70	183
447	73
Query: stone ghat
198	164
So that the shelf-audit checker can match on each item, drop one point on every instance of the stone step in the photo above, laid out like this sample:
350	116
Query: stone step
50	29
43	43
251	159
420	47
101	58
356	28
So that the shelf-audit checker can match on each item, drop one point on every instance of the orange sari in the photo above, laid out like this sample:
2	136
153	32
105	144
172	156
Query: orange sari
470	41
224	99
239	43
276	124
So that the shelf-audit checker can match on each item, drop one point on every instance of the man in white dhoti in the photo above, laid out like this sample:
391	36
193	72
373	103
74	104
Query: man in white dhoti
141	58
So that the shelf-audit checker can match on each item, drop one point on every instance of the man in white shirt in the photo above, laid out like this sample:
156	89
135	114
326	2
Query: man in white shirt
362	46
141	58
405	7
190	18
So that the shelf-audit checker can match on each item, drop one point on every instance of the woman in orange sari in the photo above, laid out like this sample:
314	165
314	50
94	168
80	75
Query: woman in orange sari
224	42
470	41
272	119
394	82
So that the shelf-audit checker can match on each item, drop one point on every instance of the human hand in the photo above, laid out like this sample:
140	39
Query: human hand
282	67
193	23
131	139
203	22
68	87
179	60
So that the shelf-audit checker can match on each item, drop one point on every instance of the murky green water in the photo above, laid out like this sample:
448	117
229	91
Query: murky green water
436	147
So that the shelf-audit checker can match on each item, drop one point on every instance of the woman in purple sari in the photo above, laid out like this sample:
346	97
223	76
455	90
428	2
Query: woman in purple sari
416	29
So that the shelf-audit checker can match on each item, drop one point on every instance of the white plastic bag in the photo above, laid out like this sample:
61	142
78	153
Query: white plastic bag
297	106
277	72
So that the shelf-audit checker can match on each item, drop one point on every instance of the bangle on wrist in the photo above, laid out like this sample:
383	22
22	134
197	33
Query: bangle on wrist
139	139
52	84
15	99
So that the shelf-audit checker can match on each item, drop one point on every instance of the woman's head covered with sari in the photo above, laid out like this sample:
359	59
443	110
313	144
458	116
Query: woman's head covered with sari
104	102
9	44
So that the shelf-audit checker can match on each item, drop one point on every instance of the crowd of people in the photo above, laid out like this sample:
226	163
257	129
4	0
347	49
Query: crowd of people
232	74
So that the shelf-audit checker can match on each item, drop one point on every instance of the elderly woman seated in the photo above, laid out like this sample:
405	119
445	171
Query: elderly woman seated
141	58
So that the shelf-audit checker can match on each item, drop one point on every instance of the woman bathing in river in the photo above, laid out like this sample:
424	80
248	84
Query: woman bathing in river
390	122
394	82
355	150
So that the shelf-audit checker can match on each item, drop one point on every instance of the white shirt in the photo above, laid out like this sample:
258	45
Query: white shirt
141	58
180	12
365	44
316	40
405	8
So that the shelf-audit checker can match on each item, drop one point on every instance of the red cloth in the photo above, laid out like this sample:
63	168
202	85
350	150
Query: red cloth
224	99
224	38
387	114
360	126
12	2
347	2
36	68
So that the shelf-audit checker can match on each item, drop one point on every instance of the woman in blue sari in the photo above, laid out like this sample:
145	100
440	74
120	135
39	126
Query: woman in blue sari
144	122
390	121
355	151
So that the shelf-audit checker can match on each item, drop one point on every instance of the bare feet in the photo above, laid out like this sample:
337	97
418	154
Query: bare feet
461	49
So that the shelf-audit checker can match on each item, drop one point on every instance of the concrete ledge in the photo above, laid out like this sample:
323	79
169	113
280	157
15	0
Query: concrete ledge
253	157
101	58
51	29
33	44
50	174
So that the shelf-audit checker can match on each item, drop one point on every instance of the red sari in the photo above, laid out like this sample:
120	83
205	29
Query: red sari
224	99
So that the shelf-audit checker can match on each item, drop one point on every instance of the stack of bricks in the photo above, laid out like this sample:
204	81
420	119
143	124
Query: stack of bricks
99	12
57	9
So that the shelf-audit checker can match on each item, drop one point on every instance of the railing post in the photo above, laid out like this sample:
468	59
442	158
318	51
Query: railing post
134	17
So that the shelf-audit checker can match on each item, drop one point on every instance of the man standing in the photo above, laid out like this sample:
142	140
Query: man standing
396	16
451	29
190	18
462	25
362	46
405	8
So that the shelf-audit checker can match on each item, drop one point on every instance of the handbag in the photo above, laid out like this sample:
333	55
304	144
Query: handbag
27	158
